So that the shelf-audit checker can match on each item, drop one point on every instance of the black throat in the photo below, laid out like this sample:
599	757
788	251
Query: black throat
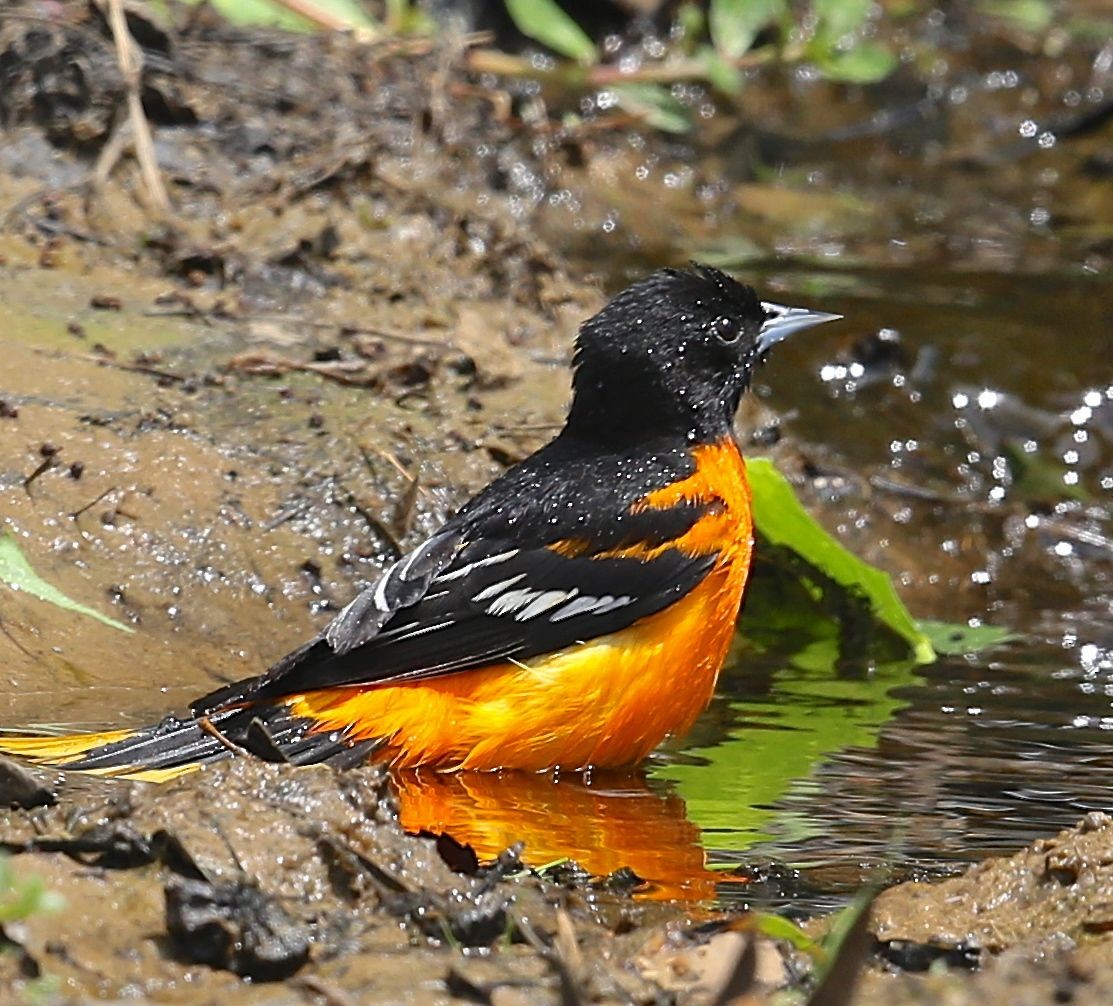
611	410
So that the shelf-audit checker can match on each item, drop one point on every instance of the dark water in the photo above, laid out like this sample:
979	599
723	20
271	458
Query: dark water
822	784
956	430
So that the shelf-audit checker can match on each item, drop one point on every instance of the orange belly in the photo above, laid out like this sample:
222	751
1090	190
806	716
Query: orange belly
605	702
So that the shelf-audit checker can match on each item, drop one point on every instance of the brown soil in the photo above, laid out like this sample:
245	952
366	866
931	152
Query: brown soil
177	893
1038	923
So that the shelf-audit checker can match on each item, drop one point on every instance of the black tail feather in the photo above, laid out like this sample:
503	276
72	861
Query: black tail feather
271	733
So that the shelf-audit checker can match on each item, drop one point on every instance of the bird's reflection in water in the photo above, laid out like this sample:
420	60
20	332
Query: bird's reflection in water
604	823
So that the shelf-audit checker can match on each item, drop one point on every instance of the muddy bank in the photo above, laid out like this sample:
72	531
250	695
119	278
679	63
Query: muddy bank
270	873
197	487
1037	924
248	405
304	877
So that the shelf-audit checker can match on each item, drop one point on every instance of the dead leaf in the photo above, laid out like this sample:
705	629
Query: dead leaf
737	967
566	946
266	363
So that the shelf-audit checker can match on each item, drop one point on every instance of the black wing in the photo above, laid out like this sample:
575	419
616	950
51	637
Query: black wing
360	621
496	603
496	584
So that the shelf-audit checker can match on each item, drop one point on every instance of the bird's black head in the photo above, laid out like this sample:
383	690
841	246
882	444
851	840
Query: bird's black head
674	353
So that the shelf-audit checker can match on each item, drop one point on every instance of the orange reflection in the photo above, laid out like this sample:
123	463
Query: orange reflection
609	822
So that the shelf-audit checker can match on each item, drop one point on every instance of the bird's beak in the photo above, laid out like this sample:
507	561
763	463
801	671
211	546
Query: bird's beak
783	321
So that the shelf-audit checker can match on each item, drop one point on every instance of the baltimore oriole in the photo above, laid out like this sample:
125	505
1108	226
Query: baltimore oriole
573	614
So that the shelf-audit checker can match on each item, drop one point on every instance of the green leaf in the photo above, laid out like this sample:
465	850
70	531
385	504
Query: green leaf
864	64
545	22
731	251
721	73
734	24
404	17
271	14
777	927
1038	478
690	21
655	104
838	18
953	638
17	573
782	521
1087	29
22	897
1028	15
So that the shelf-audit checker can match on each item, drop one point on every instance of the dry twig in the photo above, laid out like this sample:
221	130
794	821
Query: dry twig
130	59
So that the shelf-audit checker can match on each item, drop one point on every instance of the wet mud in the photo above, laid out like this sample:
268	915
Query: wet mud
218	421
1049	904
265	872
305	877
194	498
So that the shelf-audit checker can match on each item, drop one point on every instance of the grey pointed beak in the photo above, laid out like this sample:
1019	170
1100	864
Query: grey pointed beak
783	321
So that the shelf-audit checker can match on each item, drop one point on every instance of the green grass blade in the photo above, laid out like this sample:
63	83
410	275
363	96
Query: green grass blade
734	24
545	22
17	573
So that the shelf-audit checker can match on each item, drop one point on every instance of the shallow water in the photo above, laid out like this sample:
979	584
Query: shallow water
821	785
806	778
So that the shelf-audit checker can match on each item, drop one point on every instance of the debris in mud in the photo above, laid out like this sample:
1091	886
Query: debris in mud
21	786
724	962
234	925
475	915
916	957
263	870
115	844
458	856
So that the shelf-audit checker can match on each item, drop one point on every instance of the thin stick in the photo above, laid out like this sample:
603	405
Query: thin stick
89	506
104	361
507	65
130	58
208	727
111	153
15	642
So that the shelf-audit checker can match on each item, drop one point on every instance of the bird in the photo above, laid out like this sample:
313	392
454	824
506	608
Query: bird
570	616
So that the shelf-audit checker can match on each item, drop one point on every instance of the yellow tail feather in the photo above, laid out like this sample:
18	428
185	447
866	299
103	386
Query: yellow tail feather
58	752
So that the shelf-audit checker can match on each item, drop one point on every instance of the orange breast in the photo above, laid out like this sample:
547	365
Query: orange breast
604	702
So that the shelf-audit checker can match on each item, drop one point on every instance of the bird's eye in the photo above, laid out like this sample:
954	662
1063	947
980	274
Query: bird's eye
727	329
